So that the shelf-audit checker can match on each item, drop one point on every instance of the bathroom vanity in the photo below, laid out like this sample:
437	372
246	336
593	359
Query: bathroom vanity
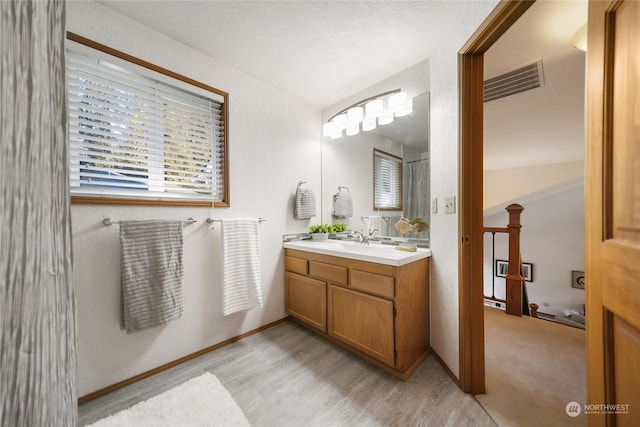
374	300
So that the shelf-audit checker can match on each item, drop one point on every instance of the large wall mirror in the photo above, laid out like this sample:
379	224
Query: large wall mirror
349	163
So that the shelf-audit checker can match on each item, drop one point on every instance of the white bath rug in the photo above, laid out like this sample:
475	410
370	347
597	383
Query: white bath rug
201	401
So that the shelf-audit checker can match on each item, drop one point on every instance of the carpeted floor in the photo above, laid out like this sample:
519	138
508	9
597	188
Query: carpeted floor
534	368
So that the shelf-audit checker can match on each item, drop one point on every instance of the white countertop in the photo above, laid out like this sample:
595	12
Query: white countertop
381	254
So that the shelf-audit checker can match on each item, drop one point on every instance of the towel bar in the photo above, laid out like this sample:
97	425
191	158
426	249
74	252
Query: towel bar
211	220
108	221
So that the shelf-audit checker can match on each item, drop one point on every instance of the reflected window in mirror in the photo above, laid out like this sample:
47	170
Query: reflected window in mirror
387	181
347	161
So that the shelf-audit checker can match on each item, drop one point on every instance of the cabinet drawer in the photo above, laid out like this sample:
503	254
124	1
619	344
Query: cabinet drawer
332	273
373	283
297	265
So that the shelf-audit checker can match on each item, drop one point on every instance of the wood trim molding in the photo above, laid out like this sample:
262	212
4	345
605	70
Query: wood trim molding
470	220
104	391
446	367
145	64
99	200
503	16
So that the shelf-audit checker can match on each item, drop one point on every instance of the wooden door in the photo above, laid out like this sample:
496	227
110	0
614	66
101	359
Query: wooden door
613	214
306	300
362	321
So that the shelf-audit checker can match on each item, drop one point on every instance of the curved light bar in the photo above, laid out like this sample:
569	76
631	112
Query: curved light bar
368	112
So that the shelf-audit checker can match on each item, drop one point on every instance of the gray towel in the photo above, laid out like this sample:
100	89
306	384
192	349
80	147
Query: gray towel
152	273
342	204
305	203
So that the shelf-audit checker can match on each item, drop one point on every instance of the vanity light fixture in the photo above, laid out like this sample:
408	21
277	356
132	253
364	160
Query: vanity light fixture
579	39
367	113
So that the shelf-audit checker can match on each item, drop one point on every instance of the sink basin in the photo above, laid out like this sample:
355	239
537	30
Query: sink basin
382	254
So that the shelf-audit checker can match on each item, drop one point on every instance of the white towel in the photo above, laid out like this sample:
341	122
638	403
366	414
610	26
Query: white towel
242	288
342	204
151	273
305	203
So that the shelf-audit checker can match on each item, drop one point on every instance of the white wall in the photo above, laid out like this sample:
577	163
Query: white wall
444	179
552	239
274	141
543	125
504	185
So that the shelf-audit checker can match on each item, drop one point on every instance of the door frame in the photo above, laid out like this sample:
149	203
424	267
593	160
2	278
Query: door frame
471	188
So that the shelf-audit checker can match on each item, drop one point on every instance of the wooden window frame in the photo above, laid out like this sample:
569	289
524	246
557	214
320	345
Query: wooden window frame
225	197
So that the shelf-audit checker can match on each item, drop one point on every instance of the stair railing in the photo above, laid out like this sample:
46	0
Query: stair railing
515	293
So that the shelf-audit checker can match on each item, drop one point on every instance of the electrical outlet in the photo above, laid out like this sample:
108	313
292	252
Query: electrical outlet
434	205
450	205
577	279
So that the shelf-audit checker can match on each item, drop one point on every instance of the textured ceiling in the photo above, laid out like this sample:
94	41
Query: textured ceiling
545	30
324	51
319	51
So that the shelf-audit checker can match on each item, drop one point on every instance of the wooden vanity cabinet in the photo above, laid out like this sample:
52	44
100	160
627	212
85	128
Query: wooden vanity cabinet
379	311
363	321
306	300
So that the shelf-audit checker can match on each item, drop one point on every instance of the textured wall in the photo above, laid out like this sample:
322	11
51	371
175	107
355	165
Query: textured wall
444	177
37	301
274	142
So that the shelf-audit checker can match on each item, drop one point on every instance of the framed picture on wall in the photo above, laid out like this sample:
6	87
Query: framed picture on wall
527	271
502	267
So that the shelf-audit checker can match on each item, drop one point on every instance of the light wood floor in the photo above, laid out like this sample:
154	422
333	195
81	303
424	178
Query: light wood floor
289	376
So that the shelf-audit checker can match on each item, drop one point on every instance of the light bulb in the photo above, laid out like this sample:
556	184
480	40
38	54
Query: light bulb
337	133
340	121
369	123
385	118
373	108
398	101
353	129
406	110
327	129
355	115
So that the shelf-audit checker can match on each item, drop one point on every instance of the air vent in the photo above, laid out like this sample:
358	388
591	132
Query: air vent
516	81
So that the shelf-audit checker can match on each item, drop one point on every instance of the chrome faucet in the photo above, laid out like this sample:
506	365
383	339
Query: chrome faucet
363	238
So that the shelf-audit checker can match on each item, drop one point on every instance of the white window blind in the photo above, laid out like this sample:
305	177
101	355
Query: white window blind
134	136
387	181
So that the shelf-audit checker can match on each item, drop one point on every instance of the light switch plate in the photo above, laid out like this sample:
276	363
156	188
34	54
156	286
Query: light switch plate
434	205
450	205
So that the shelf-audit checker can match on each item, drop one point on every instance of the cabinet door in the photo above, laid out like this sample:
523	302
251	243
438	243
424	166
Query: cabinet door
362	321
306	300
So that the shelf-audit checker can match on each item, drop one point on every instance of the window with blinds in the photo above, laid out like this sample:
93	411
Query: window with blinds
387	181
138	135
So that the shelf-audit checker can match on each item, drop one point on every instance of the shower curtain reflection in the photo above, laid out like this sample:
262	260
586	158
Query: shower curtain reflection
416	194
